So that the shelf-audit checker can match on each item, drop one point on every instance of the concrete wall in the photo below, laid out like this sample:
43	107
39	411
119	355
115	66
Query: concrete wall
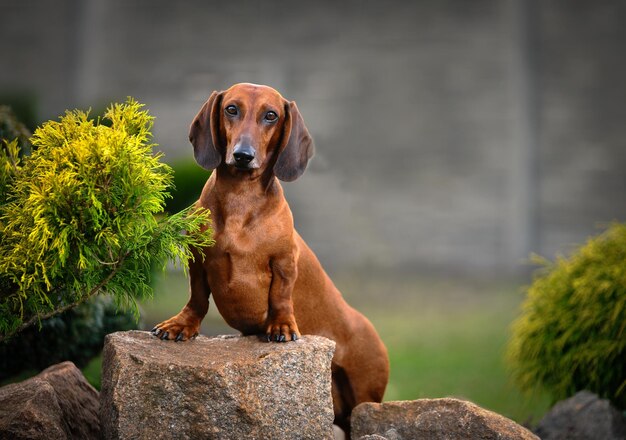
450	134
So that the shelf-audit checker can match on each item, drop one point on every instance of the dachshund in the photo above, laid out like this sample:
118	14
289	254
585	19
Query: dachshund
264	278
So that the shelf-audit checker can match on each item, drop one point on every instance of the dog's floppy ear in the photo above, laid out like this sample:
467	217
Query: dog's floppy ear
204	133
297	146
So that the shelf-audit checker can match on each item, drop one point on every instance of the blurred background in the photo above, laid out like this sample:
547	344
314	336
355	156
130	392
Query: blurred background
453	139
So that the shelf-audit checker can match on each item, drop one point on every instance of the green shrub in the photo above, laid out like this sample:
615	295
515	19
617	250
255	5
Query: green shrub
79	217
11	128
14	143
571	334
189	179
76	335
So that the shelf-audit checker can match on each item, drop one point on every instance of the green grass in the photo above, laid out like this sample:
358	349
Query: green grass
92	371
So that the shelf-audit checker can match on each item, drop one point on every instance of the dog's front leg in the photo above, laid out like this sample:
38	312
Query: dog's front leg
281	322
186	324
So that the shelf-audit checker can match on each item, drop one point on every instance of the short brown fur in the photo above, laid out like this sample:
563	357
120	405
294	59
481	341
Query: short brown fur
263	276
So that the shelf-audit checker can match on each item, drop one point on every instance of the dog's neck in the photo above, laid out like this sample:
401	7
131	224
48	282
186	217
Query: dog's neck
262	184
241	192
239	197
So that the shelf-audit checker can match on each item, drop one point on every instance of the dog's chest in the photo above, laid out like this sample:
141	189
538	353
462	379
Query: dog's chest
238	267
242	253
247	239
238	236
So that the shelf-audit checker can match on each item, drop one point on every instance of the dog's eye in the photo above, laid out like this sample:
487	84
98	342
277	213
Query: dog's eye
271	116
231	110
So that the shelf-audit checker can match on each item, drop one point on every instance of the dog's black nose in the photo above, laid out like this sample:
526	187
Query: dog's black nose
243	155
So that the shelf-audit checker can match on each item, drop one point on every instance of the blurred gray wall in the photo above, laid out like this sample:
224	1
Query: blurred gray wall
451	135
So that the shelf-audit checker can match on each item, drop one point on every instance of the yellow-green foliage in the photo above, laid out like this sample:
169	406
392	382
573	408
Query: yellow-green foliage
571	334
79	216
12	129
9	164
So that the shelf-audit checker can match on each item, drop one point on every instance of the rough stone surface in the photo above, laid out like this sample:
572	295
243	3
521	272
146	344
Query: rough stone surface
226	387
582	417
58	403
448	419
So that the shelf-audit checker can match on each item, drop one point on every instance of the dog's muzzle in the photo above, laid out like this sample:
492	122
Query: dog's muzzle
244	155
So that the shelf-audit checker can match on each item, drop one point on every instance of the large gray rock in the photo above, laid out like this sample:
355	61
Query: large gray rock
449	419
56	404
582	417
216	388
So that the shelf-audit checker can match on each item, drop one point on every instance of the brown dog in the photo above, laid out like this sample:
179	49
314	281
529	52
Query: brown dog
263	277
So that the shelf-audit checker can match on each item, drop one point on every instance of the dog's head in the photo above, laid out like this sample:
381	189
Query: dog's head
251	128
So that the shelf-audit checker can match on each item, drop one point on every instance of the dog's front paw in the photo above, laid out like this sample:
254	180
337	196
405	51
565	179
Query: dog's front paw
179	328
282	330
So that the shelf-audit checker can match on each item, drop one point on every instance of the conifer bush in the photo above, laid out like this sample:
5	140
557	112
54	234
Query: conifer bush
83	215
14	142
571	334
75	335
